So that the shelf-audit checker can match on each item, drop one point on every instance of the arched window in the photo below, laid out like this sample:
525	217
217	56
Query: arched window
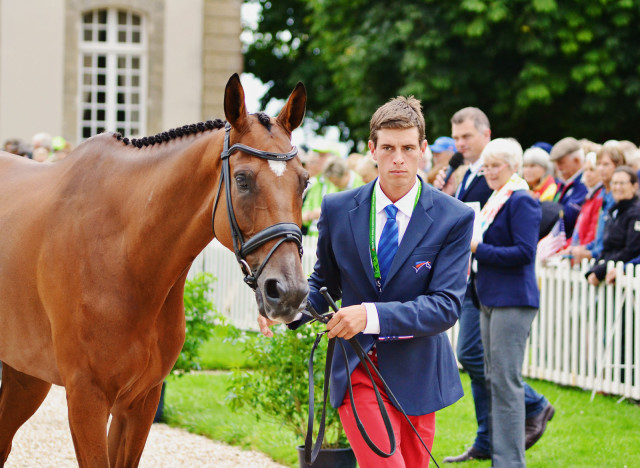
113	73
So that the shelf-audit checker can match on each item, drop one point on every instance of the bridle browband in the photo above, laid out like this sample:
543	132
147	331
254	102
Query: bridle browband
287	231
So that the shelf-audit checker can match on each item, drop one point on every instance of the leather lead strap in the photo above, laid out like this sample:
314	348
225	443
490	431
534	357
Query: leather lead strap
310	454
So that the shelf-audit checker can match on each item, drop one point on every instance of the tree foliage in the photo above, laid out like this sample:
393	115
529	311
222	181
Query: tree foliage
540	69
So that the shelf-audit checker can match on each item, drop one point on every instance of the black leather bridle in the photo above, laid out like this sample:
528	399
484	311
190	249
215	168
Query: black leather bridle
285	231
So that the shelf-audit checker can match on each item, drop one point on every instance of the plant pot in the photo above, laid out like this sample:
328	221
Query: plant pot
159	417
330	458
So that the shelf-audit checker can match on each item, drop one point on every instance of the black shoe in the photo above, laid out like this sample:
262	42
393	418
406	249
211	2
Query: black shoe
535	426
471	454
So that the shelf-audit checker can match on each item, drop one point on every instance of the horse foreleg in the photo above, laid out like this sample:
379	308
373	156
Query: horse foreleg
20	396
88	417
130	427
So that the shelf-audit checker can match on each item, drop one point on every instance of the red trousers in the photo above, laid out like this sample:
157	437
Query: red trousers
409	451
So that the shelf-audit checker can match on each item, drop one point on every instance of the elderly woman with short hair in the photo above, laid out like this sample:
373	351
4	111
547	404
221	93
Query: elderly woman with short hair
505	250
537	172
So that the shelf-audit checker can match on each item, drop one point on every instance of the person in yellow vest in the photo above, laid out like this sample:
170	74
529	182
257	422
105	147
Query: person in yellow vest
319	186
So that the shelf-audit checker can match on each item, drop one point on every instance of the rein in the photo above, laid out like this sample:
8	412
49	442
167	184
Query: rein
287	231
311	453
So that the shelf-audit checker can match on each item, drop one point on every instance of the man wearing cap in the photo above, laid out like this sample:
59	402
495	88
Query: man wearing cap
568	156
442	150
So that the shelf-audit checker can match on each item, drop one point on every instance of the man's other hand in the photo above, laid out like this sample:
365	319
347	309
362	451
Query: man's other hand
265	324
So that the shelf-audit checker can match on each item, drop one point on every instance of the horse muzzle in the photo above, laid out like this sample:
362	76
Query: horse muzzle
281	298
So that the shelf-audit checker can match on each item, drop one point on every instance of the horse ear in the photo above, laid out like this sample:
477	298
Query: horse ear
235	109
292	113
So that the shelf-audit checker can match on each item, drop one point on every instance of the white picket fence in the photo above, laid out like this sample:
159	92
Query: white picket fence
583	336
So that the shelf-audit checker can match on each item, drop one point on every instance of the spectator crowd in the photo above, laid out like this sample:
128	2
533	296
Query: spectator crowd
574	199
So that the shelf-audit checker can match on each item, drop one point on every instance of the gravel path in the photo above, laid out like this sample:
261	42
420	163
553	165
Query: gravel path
45	441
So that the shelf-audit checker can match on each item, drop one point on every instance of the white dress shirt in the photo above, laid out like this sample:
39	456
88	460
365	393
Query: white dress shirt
405	207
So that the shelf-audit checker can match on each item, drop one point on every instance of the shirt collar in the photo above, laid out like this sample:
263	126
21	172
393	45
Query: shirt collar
475	167
405	204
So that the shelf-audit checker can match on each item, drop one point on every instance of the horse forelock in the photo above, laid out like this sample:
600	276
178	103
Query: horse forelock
172	134
264	119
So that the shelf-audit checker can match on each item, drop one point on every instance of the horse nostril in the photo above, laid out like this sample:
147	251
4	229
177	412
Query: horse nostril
273	289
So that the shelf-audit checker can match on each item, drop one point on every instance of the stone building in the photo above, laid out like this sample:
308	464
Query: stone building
75	68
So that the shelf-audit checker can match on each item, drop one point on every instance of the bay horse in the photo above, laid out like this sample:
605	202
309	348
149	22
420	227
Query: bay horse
94	254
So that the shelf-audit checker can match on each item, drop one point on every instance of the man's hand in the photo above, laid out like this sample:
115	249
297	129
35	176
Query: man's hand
438	183
593	279
611	276
348	322
474	245
579	252
310	215
264	323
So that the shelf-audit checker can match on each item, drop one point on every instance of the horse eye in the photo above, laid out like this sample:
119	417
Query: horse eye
242	182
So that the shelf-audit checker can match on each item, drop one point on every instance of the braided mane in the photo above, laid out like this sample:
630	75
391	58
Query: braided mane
192	129
171	134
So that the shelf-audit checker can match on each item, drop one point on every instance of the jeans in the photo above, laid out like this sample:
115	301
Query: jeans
471	357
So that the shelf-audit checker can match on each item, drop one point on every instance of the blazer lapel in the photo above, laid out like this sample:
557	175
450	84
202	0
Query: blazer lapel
417	229
359	219
473	182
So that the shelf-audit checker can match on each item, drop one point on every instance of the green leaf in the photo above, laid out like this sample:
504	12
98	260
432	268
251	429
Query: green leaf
544	6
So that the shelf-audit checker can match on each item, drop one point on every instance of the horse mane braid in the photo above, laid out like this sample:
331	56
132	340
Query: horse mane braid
163	137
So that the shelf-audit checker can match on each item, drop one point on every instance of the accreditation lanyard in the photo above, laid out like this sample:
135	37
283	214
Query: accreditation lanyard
372	236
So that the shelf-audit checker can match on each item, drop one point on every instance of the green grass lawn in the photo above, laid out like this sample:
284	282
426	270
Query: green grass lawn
601	433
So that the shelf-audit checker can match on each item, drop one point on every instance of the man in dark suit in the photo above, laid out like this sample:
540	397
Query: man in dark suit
471	131
396	252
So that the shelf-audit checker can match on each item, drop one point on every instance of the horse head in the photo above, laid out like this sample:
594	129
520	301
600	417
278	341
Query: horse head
264	187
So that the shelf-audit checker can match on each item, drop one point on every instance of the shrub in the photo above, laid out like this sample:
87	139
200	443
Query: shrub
278	386
201	317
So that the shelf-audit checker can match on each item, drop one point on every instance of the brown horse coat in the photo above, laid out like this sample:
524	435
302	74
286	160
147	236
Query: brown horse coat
94	253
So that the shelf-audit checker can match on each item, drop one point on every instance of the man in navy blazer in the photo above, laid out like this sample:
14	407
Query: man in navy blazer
400	316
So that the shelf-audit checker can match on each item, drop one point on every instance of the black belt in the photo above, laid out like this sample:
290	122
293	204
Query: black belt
310	454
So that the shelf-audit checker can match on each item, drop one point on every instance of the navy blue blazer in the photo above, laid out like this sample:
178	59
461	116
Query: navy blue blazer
506	256
478	191
572	197
420	299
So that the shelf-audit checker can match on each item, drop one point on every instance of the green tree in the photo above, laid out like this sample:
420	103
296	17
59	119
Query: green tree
541	69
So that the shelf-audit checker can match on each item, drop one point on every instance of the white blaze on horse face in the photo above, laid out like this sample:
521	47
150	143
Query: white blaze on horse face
278	167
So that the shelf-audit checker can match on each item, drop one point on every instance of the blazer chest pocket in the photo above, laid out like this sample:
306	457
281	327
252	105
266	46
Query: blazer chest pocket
422	258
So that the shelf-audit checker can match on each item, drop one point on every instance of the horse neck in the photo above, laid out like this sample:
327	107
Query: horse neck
173	204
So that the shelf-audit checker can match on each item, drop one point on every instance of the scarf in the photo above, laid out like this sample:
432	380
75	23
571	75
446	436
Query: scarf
497	200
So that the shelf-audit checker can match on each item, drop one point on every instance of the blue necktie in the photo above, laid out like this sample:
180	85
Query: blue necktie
388	244
463	184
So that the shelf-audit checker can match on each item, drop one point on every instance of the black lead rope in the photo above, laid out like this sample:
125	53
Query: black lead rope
310	454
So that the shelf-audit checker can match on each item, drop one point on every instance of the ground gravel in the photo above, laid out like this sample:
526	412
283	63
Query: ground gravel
45	441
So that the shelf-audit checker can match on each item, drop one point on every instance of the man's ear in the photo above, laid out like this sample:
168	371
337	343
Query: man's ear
372	148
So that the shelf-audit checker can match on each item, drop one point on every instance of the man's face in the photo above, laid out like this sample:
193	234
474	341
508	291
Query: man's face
469	140
398	154
567	166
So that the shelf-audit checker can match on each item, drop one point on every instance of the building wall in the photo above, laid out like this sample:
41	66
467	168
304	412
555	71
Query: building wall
31	67
222	52
194	47
183	71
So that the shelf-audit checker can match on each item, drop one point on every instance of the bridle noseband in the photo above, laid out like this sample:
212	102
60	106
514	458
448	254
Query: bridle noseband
287	231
